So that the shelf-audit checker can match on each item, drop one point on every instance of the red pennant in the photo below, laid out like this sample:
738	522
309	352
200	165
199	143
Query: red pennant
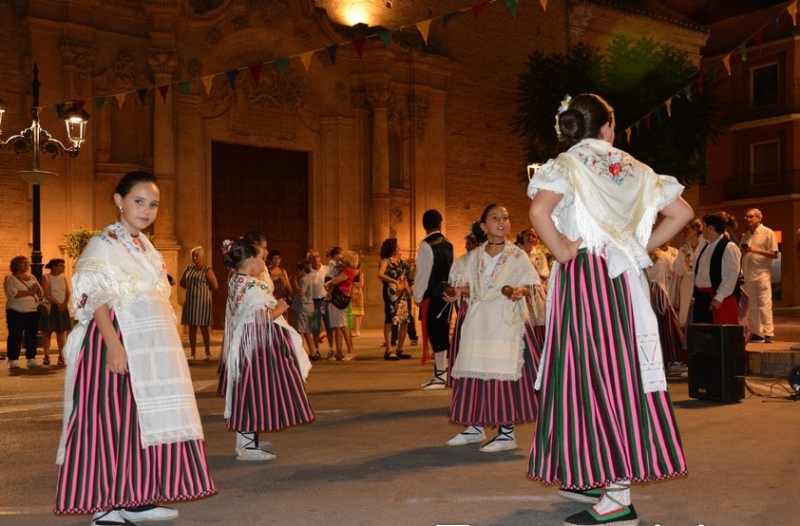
477	9
700	83
163	91
359	45
79	105
255	72
757	38
647	121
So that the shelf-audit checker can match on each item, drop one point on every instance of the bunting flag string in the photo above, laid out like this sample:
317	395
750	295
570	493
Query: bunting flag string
756	36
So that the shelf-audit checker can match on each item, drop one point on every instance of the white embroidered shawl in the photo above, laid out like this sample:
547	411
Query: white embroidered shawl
491	341
247	319
113	271
611	200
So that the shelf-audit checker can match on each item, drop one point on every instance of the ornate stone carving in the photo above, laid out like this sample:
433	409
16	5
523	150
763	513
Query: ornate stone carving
213	36
195	68
418	111
81	56
240	22
121	76
395	217
380	96
163	60
272	12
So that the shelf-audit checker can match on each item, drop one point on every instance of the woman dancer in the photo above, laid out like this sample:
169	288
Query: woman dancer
264	364
495	365
605	417
115	459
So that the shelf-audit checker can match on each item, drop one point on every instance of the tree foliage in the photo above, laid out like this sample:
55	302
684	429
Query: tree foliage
636	78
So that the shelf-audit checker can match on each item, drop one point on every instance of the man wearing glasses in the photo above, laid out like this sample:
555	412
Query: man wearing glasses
759	248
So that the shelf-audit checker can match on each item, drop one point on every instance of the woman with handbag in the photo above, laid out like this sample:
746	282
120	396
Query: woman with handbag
394	273
339	289
23	297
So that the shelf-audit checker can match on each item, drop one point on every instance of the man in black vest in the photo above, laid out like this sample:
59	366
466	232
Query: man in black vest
716	282
434	258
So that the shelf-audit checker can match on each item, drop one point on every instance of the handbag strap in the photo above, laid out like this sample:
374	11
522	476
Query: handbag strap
29	288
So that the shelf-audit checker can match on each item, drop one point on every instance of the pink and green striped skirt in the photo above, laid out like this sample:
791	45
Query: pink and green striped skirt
105	466
596	424
270	394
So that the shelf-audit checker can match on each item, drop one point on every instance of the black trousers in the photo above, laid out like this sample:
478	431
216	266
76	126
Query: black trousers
438	323
19	324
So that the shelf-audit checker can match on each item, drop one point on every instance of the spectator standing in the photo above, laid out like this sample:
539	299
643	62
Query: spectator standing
716	293
434	259
357	302
394	272
56	292
343	281
685	267
23	294
303	306
759	248
199	281
280	278
317	274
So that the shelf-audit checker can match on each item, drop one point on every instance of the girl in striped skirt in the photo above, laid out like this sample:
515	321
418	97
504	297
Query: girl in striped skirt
263	362
605	415
132	435
495	363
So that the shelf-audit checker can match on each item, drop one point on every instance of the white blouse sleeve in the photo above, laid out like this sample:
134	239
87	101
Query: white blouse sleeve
553	176
671	190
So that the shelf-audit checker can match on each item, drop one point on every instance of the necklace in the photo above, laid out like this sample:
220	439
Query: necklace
496	244
135	235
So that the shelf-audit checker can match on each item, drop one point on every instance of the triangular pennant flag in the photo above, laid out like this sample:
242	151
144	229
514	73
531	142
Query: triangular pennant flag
688	91
700	83
359	45
628	134
120	99
636	127
305	58
255	72
184	86
142	94
207	81
726	61
775	22
232	74
544	7
742	49
757	38
446	17
477	9
281	65
163	91
647	120
792	10
99	102
668	104
386	38
39	110
60	110
512	6
713	71
332	52
424	27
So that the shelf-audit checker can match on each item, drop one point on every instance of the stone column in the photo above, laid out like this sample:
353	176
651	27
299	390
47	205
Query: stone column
164	63
380	99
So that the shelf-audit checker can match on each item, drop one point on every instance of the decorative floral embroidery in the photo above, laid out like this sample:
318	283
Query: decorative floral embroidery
84	299
614	164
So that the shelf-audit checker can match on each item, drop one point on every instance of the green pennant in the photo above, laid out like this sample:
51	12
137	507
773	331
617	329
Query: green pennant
386	37
688	92
742	49
512	6
281	65
98	103
184	86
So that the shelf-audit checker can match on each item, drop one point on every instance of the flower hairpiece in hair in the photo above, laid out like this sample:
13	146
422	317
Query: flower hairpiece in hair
561	109
226	246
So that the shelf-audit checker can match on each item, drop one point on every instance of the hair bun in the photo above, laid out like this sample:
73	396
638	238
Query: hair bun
572	124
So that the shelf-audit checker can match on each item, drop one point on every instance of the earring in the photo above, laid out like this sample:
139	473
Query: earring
120	209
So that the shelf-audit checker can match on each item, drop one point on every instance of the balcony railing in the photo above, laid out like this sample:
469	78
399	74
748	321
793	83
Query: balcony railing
762	185
768	105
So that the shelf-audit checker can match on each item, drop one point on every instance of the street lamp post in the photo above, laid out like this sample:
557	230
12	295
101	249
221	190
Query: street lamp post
37	141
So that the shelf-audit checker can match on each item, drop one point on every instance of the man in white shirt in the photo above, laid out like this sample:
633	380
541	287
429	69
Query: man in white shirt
317	275
434	258
716	291
759	248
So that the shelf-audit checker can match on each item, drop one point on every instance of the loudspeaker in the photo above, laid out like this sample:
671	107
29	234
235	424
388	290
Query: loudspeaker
716	362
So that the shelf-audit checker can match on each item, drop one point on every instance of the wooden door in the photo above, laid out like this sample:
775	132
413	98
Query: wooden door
260	189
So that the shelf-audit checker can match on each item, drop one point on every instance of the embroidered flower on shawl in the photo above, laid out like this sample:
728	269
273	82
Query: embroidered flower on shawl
112	235
613	163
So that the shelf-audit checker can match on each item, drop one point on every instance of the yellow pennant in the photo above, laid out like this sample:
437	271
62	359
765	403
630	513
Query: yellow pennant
305	58
628	135
423	28
792	10
120	98
669	108
726	61
544	5
207	81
